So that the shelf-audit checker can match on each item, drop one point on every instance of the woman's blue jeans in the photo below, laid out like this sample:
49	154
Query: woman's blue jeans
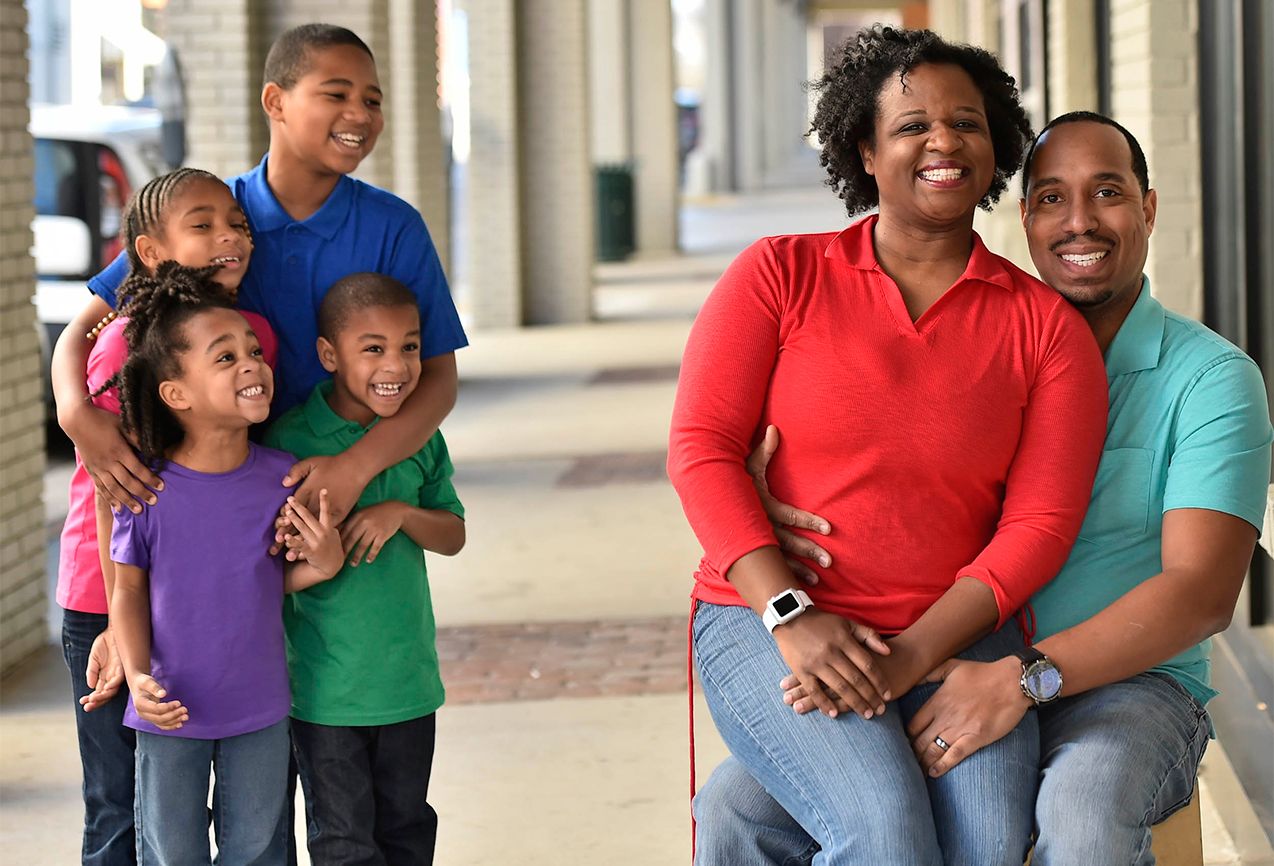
249	814
853	785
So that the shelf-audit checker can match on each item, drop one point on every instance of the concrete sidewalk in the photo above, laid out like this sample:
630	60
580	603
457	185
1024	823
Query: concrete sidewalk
562	623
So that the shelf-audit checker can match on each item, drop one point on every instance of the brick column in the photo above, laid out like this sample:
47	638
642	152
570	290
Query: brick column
556	171
1072	74
653	125
22	572
222	49
414	122
1155	86
494	203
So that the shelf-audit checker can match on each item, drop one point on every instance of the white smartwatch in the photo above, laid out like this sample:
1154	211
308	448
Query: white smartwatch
785	607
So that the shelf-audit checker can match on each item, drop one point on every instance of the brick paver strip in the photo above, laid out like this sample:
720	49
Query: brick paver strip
541	661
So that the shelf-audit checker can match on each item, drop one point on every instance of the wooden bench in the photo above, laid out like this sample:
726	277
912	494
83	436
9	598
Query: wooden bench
1177	841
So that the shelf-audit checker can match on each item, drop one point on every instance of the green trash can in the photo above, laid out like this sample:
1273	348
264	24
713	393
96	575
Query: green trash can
616	226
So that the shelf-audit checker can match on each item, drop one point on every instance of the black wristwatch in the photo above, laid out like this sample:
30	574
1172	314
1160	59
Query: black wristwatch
1041	680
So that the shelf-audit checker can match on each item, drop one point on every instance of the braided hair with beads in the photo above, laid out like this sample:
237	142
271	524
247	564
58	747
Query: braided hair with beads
158	306
144	215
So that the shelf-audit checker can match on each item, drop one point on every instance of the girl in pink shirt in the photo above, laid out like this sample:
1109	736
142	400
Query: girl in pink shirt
189	217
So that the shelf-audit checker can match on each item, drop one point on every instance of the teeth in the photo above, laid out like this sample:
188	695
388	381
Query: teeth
387	390
222	260
252	391
1085	260
351	140
942	174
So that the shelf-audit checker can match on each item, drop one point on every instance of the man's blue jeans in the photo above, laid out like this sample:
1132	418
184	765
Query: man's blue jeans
106	753
853	785
1115	760
249	814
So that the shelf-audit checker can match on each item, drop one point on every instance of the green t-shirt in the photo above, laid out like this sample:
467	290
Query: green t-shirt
1189	427
361	646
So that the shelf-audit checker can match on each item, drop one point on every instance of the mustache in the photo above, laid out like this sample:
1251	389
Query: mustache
1072	238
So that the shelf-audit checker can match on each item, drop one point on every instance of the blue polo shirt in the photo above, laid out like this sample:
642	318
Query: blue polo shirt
359	228
1189	427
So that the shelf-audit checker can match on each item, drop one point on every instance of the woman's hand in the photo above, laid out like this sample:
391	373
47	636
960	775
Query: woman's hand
367	530
148	700
783	515
105	672
829	656
119	475
977	704
897	667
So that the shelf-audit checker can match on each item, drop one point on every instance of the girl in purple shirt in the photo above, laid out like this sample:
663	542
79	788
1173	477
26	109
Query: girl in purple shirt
197	602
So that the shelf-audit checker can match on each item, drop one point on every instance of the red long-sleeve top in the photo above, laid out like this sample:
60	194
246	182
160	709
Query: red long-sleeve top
963	444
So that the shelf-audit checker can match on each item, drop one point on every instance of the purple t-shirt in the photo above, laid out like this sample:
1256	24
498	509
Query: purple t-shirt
216	595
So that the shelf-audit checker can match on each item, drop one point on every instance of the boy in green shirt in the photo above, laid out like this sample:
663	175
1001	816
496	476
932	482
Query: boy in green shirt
361	647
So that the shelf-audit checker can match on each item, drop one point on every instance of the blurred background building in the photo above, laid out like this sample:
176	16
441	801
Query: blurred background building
540	138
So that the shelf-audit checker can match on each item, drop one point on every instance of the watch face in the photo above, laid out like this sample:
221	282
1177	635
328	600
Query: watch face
1043	681
785	604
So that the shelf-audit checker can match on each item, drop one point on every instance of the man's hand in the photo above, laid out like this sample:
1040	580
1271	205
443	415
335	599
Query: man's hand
148	700
365	532
343	482
783	515
119	475
828	657
105	672
317	541
977	704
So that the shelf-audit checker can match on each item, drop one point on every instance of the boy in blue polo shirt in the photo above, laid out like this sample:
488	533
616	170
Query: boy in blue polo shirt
311	225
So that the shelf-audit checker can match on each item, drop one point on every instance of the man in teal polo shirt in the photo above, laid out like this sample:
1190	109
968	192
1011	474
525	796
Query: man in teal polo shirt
1119	670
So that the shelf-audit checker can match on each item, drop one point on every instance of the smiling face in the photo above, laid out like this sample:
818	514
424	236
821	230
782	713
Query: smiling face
330	119
202	225
224	380
931	155
1087	222
374	360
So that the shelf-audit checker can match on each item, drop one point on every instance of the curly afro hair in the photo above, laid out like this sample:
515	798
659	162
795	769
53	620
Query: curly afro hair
850	92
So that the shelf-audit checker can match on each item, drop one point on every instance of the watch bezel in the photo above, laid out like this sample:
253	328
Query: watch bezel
1029	670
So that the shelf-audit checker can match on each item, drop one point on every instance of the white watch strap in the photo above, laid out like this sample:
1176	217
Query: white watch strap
771	618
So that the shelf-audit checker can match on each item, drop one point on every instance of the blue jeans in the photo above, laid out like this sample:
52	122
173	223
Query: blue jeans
1114	761
366	790
106	753
851	785
248	810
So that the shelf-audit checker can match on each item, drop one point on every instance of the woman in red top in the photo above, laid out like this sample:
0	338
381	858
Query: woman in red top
943	409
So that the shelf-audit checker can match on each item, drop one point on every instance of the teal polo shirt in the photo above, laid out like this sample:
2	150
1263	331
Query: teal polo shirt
361	647
1189	427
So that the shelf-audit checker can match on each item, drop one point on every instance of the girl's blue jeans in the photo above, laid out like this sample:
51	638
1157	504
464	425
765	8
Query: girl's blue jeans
853	786
249	814
106	753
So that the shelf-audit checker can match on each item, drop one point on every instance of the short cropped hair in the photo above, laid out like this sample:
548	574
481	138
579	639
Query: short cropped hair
290	56
358	292
1139	169
849	96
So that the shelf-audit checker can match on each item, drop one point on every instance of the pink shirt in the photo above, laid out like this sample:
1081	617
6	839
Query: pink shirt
961	444
80	583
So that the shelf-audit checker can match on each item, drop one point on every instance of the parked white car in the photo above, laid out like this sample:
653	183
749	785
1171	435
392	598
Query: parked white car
88	161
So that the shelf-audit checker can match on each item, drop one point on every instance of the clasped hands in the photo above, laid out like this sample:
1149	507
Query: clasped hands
839	666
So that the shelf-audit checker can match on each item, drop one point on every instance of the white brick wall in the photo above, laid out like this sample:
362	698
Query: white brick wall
556	175
22	538
494	195
1154	77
